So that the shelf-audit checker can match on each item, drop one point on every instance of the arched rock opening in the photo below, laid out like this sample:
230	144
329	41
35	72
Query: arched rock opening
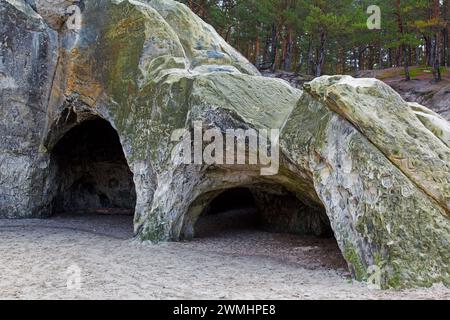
91	173
267	207
267	220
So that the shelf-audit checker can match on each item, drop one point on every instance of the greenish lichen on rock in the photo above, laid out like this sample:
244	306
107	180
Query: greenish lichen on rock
354	155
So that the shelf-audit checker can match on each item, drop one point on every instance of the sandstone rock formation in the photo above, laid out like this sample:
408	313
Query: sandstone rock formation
354	156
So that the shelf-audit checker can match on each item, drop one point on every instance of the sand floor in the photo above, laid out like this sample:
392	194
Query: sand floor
38	258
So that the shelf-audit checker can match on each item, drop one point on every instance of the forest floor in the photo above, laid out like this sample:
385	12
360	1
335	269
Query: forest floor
38	258
420	88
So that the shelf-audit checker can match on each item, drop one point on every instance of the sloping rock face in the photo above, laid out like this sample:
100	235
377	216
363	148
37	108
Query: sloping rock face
28	51
435	96
421	89
353	157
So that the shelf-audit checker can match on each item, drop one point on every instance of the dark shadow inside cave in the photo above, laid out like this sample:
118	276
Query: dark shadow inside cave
234	209
91	172
269	221
262	207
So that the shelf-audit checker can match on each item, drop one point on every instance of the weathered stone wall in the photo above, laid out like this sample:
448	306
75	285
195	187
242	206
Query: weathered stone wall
282	212
28	50
378	215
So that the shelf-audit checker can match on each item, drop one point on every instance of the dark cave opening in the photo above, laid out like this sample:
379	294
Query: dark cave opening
91	172
268	208
268	221
233	209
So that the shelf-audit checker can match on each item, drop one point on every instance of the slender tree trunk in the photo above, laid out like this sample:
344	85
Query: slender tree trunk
399	30
406	63
342	60
361	58
403	51
390	60
321	55
445	48
380	57
371	60
284	47
355	61
202	10
257	50
435	59
267	51
435	15
445	33
288	51
297	54
417	56
308	59
428	59
238	37
301	61
228	34
274	47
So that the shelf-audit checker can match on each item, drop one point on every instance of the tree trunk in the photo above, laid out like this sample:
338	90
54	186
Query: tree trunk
435	15
257	50
287	63
400	31
202	10
301	61
297	54
284	47
342	60
371	60
321	55
274	49
380	57
267	51
355	60
406	63
361	58
417	55
435	59
403	51
428	59
238	37
390	60
227	36
446	54
445	33
308	59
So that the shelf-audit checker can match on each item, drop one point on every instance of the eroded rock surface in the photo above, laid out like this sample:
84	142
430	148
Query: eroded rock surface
352	151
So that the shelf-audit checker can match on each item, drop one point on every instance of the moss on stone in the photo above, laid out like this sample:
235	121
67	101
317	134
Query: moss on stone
358	268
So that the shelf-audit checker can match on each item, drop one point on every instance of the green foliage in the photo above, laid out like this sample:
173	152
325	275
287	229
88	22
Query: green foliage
292	34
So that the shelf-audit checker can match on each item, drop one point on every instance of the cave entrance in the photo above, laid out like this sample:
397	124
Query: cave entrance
264	207
234	209
91	172
268	220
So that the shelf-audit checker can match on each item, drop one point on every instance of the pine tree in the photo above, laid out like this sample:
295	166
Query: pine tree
321	36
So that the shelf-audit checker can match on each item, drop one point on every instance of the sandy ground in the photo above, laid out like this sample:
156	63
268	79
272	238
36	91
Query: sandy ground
38	258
